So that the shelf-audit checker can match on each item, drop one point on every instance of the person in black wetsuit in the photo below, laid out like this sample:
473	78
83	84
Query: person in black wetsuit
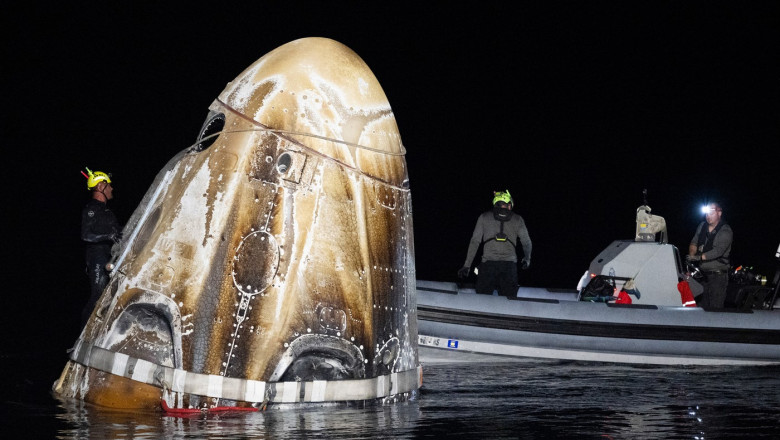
99	230
710	248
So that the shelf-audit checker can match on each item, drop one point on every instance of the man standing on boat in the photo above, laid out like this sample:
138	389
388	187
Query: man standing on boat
710	247
499	230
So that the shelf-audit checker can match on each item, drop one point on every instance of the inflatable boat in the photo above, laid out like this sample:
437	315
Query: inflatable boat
647	317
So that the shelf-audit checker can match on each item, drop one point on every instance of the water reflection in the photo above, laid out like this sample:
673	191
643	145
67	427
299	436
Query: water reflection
539	399
278	422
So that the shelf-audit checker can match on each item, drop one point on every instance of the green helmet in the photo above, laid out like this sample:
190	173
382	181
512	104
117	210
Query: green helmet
95	177
504	196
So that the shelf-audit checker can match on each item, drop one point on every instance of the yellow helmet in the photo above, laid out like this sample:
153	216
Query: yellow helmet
499	196
95	177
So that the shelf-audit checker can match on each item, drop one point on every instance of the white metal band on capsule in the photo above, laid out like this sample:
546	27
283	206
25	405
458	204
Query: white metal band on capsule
246	390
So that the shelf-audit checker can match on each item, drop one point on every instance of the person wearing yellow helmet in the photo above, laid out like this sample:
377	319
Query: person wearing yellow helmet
498	231
99	231
95	177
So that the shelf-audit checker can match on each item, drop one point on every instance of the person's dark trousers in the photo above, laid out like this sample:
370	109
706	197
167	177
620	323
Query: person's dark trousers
98	278
497	275
714	295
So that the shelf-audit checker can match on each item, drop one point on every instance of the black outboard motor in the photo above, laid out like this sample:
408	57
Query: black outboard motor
748	290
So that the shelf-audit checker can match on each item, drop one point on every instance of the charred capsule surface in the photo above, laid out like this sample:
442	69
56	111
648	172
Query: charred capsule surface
272	261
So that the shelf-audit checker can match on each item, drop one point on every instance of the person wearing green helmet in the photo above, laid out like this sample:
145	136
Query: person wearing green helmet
99	231
499	230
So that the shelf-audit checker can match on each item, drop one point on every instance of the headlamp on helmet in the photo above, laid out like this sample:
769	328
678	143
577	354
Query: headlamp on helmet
710	208
95	177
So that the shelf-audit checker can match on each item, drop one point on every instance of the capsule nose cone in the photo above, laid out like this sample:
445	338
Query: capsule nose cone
320	88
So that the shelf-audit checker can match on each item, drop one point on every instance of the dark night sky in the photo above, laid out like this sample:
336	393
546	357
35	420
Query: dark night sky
575	110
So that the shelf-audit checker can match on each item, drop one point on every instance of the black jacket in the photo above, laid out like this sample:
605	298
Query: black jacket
99	229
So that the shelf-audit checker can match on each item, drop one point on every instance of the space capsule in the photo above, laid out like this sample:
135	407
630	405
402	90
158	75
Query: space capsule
271	262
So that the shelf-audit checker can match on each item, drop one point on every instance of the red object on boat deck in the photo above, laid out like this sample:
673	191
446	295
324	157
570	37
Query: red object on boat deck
623	298
685	294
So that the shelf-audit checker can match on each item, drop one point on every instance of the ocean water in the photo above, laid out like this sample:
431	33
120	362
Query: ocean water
529	399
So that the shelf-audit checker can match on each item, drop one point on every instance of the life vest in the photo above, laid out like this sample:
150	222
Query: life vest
706	240
501	237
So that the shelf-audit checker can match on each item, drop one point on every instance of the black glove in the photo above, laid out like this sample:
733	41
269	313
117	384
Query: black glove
463	272
692	258
525	264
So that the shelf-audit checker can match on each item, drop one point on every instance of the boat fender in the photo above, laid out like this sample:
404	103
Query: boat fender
685	294
623	298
